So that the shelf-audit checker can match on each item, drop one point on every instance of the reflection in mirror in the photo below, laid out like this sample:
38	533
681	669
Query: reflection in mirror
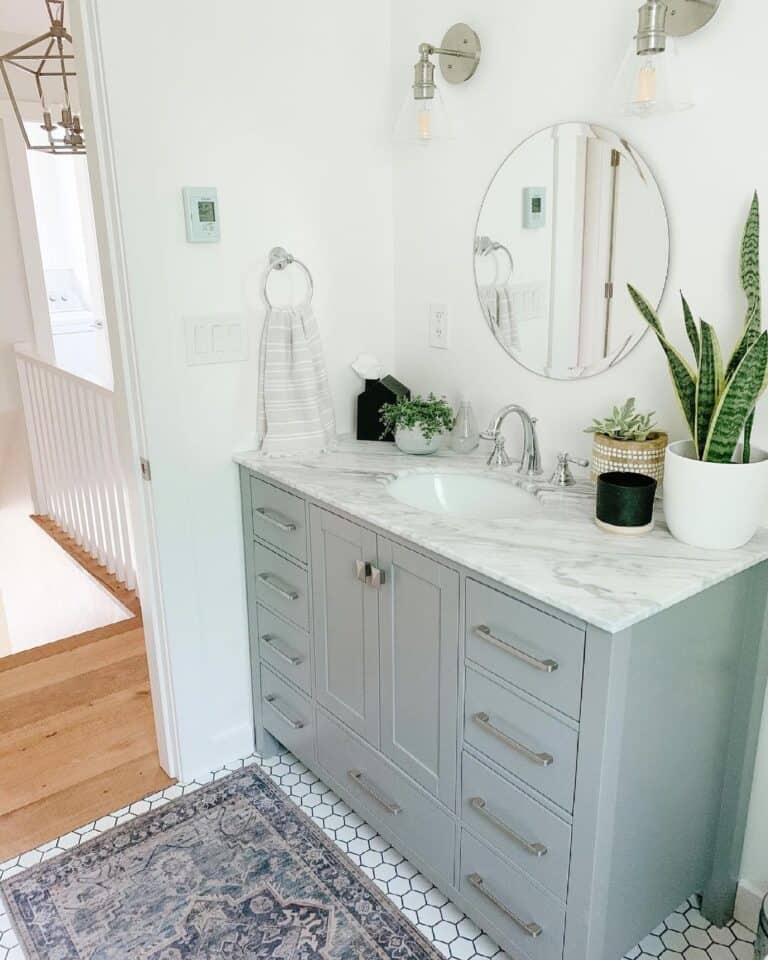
571	216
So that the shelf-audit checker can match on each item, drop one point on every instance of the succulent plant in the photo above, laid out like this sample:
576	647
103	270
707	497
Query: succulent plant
718	401
625	423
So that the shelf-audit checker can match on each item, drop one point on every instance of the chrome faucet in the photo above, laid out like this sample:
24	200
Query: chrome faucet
530	462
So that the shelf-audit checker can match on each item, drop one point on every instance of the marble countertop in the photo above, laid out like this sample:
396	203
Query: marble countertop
556	554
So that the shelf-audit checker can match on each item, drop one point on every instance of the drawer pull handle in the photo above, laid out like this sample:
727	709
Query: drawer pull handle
272	700
373	791
280	588
540	759
546	666
528	927
535	849
272	643
276	519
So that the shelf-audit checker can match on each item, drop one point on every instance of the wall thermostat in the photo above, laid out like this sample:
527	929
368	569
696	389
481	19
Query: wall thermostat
534	207
201	214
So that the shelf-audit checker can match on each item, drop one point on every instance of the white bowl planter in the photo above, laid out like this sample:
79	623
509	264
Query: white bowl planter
412	440
715	505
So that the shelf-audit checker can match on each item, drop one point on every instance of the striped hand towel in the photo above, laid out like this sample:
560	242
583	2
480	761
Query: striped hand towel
295	411
497	306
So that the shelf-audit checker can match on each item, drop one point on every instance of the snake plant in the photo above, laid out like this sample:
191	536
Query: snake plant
717	400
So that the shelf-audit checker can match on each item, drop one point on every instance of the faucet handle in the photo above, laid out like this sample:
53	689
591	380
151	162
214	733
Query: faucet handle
562	477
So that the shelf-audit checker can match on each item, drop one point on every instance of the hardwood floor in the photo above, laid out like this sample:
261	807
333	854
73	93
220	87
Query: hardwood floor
77	737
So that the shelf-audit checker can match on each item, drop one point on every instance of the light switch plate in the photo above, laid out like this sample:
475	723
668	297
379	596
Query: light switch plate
216	339
438	326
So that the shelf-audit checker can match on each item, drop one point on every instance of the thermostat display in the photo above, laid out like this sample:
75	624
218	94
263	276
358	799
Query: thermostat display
201	214
534	207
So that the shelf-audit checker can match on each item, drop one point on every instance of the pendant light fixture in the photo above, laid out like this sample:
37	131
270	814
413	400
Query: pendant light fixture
651	79
49	61
423	118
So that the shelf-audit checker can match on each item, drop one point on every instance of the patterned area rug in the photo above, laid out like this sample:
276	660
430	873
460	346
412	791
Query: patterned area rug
234	870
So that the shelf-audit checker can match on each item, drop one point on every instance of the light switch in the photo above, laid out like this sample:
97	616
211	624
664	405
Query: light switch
217	339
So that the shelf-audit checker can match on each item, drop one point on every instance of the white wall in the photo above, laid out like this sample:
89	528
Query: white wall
548	62
262	101
15	315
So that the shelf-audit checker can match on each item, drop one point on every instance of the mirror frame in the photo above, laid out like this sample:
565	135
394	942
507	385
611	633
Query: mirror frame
627	350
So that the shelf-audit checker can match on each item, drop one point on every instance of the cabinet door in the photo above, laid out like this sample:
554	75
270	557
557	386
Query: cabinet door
346	623
419	627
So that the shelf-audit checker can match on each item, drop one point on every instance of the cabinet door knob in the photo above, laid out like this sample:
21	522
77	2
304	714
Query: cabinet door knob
363	571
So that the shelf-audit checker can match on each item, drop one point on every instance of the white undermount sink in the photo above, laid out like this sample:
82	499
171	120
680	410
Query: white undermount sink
462	495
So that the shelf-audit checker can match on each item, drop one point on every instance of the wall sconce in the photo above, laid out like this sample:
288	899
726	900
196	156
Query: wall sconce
651	80
423	118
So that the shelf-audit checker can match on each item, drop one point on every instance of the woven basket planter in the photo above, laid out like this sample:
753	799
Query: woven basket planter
629	456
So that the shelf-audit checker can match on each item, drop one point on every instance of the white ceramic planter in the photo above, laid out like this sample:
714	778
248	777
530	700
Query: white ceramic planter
412	440
715	505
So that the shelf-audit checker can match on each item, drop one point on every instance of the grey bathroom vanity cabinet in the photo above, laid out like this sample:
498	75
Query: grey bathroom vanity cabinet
567	786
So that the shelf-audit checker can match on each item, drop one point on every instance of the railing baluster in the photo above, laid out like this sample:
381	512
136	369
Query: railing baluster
76	464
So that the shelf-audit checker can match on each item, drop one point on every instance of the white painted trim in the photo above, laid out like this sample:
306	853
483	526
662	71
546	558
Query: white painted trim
128	410
25	214
749	899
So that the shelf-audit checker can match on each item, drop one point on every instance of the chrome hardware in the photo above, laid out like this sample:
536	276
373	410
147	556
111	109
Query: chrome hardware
546	666
373	791
368	574
279	259
287	526
271	642
562	477
530	462
378	577
272	700
363	571
540	759
528	927
286	592
535	849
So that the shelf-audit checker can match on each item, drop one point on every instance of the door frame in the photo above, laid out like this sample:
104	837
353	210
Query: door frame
129	416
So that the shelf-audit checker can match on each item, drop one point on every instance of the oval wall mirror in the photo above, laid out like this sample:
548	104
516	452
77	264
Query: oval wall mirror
571	216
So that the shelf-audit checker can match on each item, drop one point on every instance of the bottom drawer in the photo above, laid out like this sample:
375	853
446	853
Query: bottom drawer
287	715
527	917
389	799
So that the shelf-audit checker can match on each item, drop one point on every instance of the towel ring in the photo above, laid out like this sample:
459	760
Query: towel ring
485	246
279	259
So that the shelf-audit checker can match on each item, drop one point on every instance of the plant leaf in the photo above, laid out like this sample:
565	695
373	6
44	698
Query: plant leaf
750	259
706	388
683	378
737	402
748	338
691	329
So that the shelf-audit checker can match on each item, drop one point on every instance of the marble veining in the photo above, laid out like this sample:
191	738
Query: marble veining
556	555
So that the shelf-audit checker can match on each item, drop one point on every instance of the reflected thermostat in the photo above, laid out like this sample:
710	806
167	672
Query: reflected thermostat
201	214
534	207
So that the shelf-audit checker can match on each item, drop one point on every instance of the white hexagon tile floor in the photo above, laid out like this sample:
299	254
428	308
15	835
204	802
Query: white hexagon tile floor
685	935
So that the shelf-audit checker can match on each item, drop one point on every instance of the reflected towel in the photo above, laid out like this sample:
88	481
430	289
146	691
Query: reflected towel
497	306
295	410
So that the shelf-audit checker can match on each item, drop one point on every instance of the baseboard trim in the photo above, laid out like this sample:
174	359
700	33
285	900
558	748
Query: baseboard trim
749	899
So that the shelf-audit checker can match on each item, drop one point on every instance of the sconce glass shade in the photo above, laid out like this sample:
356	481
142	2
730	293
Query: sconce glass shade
652	84
423	121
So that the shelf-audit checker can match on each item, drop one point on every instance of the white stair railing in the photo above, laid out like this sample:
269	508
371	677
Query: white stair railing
78	479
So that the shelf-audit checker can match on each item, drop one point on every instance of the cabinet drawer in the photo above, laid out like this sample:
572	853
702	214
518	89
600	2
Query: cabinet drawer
516	825
374	784
279	518
521	738
287	715
284	648
528	918
281	585
528	648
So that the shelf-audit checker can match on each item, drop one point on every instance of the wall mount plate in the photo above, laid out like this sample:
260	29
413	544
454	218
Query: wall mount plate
459	69
688	16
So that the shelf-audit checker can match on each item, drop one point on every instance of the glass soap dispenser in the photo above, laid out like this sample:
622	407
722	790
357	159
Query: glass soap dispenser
465	435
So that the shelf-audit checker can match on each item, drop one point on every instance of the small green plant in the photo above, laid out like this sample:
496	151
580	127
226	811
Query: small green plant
625	423
718	401
432	415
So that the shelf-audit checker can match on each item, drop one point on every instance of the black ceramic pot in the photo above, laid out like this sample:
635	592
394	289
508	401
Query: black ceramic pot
625	502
